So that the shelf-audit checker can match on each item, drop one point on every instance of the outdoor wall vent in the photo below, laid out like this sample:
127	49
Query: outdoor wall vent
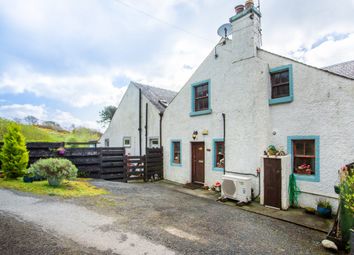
163	102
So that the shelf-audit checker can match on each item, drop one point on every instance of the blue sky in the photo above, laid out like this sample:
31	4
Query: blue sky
64	60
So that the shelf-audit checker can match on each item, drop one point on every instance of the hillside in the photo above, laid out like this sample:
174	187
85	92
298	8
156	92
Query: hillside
42	134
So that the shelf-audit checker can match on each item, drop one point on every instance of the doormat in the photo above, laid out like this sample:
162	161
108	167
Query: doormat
192	186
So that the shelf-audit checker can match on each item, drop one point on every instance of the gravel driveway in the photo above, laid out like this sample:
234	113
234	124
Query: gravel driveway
152	219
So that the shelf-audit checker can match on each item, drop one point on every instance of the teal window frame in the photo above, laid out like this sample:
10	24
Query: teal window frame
217	169
194	113
287	99
300	177
172	152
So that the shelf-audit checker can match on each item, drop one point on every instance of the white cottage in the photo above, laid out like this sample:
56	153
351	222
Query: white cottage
242	99
137	121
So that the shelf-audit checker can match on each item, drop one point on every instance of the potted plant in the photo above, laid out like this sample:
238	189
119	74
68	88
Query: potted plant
28	178
324	208
217	186
272	151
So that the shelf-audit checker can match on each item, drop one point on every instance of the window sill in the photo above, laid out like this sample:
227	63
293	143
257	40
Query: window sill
308	178
205	112
281	100
174	164
218	169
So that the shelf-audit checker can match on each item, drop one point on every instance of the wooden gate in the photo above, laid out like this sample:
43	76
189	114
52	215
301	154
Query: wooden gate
272	182
112	164
134	167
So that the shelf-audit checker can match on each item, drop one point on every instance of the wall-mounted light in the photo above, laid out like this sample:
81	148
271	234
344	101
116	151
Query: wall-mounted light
195	134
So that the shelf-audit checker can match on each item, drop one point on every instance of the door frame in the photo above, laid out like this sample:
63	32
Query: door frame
192	165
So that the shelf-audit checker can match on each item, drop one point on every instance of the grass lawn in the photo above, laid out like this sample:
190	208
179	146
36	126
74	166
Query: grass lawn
77	188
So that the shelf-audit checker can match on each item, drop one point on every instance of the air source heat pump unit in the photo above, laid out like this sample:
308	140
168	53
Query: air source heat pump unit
236	187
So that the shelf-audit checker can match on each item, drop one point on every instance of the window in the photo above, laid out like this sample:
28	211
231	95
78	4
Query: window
305	157
218	155
200	98
106	142
126	142
201	95
281	85
154	142
176	153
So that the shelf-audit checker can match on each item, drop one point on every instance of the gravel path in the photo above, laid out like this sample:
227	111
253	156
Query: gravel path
152	219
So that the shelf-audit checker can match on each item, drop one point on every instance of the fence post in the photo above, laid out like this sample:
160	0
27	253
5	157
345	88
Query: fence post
125	167
145	167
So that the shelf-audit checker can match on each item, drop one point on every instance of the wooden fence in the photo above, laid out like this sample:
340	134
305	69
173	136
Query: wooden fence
154	163
108	163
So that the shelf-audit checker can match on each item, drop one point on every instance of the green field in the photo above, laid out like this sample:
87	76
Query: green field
34	133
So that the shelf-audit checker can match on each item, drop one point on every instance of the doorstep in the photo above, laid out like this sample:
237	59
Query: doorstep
295	216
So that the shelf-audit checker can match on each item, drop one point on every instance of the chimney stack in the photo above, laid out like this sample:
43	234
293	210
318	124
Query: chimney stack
246	31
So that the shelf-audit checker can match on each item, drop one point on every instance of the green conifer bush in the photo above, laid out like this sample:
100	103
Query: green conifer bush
14	155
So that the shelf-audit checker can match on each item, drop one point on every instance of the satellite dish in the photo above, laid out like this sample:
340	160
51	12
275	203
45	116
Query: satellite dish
225	30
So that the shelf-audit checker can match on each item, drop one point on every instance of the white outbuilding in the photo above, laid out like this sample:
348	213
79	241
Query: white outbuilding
137	122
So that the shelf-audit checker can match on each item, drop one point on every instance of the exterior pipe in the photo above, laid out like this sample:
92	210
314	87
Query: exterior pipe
224	137
140	148
161	115
146	126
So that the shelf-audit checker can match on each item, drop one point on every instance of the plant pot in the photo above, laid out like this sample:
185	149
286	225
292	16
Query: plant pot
54	181
239	8
27	179
324	212
337	189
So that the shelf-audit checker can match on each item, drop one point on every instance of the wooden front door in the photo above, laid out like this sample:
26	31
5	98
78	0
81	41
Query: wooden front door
198	156
272	182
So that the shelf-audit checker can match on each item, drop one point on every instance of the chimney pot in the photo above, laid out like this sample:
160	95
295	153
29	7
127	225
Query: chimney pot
239	8
249	4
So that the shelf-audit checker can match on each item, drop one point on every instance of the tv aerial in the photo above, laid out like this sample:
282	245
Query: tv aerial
225	30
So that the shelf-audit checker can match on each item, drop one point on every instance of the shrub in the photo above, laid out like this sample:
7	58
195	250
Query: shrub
14	155
347	193
54	169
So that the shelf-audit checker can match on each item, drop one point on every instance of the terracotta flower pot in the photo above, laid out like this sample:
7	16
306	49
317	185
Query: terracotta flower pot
239	8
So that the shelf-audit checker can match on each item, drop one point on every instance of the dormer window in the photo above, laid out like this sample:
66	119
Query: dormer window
281	85
200	98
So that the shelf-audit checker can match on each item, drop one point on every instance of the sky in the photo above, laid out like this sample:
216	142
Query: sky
64	60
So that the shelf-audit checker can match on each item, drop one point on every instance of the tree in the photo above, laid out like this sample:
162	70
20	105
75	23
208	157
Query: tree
106	115
14	155
31	120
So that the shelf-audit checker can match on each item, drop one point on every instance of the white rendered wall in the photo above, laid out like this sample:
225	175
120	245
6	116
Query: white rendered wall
323	106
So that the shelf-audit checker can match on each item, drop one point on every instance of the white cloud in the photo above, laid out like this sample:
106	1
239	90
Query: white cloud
43	113
77	91
22	110
330	52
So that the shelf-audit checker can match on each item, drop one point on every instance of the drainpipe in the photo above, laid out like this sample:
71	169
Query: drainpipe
140	149
161	115
224	133
146	126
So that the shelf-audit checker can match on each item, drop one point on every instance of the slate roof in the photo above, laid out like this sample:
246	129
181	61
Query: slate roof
154	95
345	69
